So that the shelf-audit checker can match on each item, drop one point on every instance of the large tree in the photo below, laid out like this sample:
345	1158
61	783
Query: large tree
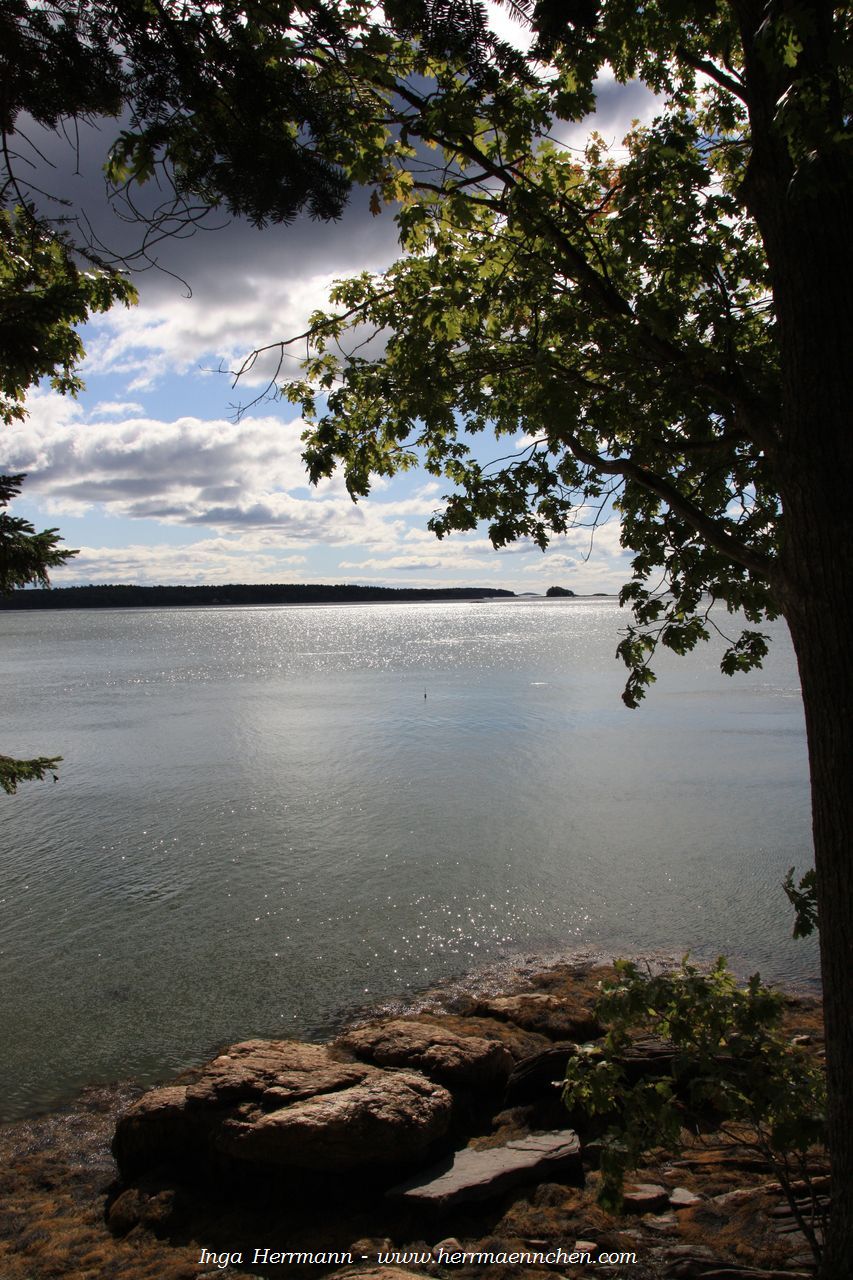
671	324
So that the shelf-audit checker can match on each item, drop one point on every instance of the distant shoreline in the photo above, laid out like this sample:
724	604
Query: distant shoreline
134	597
120	596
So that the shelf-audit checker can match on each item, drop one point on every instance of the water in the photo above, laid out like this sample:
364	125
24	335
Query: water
262	823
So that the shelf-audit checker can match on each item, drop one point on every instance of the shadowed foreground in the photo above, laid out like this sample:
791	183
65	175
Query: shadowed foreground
712	1212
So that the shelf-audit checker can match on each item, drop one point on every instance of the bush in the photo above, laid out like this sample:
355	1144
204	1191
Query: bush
730	1057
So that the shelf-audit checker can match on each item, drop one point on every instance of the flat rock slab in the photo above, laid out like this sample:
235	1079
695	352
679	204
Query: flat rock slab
475	1175
645	1197
681	1198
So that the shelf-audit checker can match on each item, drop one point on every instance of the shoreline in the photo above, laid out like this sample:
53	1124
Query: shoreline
69	1217
493	977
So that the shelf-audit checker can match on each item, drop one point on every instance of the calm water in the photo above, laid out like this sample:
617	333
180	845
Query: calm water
261	822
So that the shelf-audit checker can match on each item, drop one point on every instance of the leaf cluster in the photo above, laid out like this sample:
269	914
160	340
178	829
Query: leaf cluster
26	557
45	293
803	898
609	313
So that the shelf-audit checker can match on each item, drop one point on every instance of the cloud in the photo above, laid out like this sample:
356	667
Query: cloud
197	472
114	408
208	561
175	334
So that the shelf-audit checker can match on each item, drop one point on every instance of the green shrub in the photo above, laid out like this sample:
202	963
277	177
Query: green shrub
730	1059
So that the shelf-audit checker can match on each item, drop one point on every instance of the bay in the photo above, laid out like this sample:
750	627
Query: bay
270	817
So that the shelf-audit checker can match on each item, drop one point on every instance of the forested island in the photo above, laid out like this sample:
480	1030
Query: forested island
124	597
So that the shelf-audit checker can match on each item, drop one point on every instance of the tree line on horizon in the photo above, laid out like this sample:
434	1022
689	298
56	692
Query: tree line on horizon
112	596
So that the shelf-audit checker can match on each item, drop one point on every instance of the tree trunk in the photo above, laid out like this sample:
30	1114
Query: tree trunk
814	295
823	640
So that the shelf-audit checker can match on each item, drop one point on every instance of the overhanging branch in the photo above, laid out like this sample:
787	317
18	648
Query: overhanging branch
711	530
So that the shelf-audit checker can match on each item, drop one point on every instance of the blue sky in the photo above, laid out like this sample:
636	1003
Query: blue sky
151	477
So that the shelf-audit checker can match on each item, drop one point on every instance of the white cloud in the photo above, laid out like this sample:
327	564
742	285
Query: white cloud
178	334
209	560
245	484
114	408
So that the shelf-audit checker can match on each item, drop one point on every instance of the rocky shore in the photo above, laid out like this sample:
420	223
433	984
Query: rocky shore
428	1143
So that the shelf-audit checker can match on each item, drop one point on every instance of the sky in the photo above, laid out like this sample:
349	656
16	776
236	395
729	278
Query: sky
152	477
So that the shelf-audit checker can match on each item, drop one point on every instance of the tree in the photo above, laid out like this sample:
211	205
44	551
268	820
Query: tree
671	327
25	557
215	99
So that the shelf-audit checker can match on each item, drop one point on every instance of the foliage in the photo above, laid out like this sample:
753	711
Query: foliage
803	898
730	1055
36	770
44	295
609	313
25	558
253	107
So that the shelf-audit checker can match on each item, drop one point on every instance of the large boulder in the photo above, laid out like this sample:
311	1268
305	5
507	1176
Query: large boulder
453	1060
391	1118
286	1104
518	1042
557	1017
272	1073
540	1076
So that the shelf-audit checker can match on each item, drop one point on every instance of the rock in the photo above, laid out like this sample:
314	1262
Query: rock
271	1073
681	1198
285	1103
688	1261
519	1043
153	1130
734	1272
473	1175
539	1075
645	1197
377	1273
450	1059
391	1118
552	1016
646	1058
741	1195
592	1153
665	1224
134	1207
680	1252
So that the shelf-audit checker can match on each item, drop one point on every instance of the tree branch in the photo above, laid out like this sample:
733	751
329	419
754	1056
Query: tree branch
711	530
713	72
